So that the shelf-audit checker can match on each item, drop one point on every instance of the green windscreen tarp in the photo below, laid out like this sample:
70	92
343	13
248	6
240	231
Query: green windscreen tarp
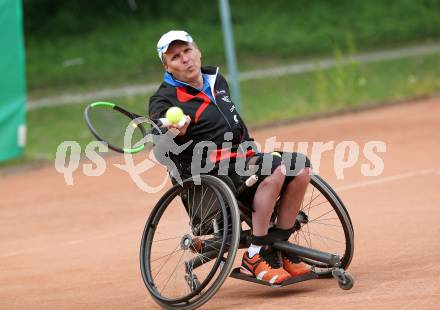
12	80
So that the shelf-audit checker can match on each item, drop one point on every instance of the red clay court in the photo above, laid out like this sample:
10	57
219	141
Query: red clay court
77	247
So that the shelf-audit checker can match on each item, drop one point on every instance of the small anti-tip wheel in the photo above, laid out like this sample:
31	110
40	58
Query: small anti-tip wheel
346	282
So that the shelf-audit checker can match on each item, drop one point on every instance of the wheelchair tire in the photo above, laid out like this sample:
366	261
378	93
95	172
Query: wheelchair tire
189	243
337	197
324	224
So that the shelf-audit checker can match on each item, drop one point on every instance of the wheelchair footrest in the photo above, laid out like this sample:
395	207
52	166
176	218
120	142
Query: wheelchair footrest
238	275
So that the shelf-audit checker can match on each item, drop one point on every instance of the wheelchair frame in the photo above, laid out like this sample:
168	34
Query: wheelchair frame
225	228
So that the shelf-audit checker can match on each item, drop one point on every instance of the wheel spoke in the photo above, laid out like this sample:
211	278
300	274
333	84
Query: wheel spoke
162	265
172	273
318	204
167	235
167	254
338	227
314	219
166	239
208	211
327	238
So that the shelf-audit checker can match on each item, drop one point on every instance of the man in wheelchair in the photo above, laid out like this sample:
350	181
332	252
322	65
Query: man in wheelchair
203	95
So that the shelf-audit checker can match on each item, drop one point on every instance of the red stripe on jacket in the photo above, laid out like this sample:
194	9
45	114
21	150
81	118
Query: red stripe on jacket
183	96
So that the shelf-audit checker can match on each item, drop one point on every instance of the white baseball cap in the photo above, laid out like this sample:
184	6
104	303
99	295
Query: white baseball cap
169	37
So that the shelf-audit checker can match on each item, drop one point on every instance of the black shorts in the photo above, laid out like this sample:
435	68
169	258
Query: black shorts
264	165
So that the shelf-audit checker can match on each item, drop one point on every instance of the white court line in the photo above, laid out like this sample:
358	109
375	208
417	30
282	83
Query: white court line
389	179
435	170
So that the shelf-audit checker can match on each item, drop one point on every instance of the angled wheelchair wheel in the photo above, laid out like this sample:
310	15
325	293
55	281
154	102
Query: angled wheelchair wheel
324	224
189	243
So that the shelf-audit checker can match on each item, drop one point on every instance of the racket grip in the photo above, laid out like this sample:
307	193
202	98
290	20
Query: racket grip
164	122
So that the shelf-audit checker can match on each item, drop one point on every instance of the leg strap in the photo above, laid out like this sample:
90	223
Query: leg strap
278	234
275	234
259	240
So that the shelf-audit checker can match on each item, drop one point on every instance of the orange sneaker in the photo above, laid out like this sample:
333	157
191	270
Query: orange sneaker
264	266
294	266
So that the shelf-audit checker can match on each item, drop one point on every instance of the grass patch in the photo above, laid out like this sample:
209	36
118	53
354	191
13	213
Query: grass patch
343	86
265	100
80	45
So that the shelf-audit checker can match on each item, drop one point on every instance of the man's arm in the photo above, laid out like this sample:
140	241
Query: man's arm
158	107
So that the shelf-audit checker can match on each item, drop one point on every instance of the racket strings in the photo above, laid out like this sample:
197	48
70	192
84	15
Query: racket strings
112	126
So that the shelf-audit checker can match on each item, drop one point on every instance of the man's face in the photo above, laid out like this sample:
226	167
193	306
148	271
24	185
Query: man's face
183	61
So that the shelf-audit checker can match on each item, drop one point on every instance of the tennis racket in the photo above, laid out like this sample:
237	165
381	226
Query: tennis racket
122	131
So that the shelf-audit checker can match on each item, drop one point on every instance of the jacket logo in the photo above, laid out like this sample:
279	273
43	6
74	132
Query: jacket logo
232	108
235	118
226	99
219	92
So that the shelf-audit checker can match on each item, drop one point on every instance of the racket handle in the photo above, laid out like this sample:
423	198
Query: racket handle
164	122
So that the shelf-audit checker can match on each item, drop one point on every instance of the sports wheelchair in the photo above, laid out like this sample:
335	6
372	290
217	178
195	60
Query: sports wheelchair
192	235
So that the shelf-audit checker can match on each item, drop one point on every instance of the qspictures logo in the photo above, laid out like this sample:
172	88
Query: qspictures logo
344	154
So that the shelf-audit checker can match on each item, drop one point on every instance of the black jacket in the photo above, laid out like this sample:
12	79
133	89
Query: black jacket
209	120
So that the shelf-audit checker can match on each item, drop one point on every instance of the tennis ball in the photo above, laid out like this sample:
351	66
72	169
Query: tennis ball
174	115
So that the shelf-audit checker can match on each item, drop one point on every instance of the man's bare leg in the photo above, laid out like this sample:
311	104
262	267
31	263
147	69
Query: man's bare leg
292	198
264	201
